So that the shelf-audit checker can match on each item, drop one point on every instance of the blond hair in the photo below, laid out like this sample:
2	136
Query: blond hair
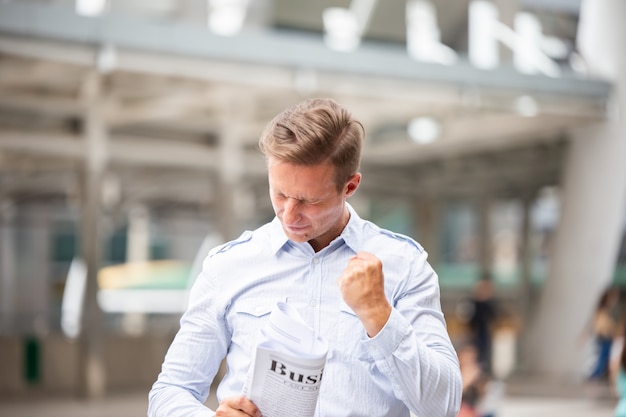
316	131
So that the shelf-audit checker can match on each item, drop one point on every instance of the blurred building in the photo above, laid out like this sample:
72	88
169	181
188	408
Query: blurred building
494	136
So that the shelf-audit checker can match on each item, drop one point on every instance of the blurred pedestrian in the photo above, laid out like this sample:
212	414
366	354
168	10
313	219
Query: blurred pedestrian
473	379
482	315
603	328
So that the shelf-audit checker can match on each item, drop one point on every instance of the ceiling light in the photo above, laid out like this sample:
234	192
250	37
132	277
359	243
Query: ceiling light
90	7
526	106
226	17
424	130
341	29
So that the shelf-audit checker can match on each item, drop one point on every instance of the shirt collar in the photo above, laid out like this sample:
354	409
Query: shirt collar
278	238
350	234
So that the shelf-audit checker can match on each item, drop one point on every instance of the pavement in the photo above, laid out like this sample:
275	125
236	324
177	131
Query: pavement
525	399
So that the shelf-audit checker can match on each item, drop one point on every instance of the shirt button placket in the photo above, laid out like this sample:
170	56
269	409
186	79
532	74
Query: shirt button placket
314	296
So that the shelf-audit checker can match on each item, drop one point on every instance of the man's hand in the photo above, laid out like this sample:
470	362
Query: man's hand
362	287
238	406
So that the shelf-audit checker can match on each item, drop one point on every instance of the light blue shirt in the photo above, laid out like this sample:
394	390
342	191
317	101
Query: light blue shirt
410	365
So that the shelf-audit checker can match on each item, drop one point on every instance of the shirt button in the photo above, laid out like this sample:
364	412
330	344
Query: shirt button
313	303
316	261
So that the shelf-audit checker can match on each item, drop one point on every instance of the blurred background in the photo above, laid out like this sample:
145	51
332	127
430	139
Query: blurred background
495	136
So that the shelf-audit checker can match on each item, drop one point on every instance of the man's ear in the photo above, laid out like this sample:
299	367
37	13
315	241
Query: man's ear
353	184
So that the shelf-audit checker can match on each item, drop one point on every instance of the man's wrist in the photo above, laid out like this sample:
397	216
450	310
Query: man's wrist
373	321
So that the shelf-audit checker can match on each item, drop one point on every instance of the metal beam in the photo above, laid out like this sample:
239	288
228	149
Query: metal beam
293	50
127	150
468	135
42	104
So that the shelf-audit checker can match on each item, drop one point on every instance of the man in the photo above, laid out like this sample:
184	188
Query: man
368	291
483	315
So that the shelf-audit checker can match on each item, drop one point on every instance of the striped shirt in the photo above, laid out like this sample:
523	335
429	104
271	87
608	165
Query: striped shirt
409	366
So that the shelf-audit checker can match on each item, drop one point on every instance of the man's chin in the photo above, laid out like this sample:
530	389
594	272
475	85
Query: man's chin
298	238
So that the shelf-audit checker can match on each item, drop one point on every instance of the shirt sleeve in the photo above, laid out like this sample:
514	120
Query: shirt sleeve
193	358
414	350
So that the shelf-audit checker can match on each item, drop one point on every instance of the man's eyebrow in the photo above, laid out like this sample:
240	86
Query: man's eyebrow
303	199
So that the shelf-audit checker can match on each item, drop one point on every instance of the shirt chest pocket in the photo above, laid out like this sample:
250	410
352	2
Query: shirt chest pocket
345	334
247	319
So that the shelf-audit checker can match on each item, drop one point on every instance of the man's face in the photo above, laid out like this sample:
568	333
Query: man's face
307	202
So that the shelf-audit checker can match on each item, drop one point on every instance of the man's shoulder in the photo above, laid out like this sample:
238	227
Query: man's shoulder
247	240
225	247
391	239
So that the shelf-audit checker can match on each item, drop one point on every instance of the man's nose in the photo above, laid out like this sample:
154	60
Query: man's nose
290	211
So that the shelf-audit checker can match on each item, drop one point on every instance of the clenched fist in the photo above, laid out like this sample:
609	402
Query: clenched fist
362	287
238	406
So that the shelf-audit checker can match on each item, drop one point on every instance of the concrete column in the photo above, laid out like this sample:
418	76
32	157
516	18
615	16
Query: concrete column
593	204
525	286
37	290
137	250
234	206
485	252
427	217
525	259
138	236
92	378
8	277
